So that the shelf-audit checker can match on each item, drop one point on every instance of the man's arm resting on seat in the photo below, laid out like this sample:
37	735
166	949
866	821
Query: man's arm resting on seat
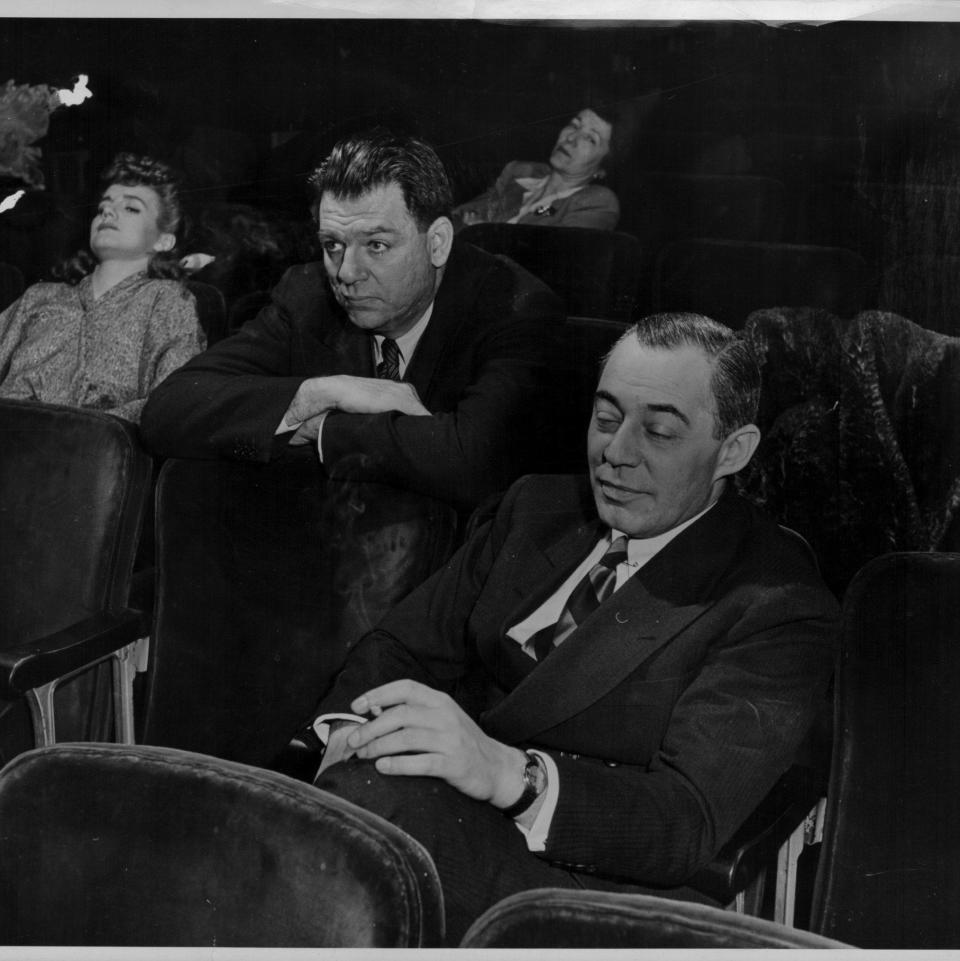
316	397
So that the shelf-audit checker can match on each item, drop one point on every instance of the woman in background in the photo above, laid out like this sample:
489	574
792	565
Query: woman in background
562	193
104	337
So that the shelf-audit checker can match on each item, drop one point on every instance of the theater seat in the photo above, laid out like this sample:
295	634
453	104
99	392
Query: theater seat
11	284
267	576
108	845
73	485
211	310
728	279
664	207
595	272
889	869
563	918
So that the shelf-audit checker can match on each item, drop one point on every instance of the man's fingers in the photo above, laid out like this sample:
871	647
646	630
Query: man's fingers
408	765
404	691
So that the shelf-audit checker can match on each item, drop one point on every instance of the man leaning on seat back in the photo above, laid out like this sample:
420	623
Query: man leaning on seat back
531	731
405	357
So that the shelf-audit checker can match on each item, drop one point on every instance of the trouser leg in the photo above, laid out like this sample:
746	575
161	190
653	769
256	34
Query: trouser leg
480	856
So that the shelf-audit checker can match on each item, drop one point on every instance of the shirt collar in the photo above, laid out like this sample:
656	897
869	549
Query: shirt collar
407	343
640	550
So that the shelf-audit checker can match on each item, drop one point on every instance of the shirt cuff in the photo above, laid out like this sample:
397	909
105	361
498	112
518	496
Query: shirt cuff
536	834
321	726
320	423
286	426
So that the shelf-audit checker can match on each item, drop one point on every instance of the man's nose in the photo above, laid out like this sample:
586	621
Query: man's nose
108	212
351	269
623	449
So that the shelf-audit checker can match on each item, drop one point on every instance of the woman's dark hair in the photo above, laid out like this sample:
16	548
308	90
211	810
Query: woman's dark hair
133	170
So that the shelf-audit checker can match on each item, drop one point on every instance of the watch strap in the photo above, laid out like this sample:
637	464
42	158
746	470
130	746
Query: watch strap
532	781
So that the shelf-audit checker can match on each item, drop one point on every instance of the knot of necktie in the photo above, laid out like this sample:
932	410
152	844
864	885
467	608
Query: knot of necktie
389	367
596	585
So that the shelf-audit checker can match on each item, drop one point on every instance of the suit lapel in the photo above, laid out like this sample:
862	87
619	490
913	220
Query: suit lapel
659	602
351	348
445	321
541	571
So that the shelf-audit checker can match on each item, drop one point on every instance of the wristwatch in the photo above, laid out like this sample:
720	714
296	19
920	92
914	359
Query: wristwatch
534	784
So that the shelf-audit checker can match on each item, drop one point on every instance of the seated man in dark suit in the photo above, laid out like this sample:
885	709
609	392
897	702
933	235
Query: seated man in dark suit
609	676
406	357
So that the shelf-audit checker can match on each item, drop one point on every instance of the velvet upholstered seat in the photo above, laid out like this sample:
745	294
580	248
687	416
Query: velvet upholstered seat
267	576
73	484
595	272
128	845
889	872
561	918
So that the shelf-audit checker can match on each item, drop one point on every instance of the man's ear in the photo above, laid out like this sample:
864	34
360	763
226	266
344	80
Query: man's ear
736	450
440	240
164	243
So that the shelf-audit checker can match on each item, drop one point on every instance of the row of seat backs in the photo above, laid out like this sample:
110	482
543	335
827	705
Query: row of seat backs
613	275
195	851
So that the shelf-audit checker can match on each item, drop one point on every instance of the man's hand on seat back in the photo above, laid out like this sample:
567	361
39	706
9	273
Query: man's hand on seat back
353	395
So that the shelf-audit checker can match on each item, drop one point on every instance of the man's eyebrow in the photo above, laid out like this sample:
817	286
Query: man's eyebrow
669	409
368	232
601	394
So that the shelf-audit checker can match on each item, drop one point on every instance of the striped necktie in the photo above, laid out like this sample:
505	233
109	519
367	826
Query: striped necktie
597	585
389	367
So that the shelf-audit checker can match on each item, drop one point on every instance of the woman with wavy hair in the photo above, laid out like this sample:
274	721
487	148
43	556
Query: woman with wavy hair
115	324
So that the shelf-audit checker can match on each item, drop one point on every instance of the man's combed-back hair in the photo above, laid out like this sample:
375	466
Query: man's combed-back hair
735	381
377	157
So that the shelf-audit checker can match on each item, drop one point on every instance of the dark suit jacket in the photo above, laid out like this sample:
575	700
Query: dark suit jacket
593	206
674	707
480	368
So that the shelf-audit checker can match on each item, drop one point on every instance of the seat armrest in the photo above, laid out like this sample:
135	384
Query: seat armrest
47	658
755	844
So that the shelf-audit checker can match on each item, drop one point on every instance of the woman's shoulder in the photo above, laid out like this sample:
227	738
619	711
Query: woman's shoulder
525	168
597	193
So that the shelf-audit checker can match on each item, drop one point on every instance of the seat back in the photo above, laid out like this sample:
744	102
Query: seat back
662	207
563	918
245	308
73	485
126	845
595	272
889	869
729	279
581	345
267	576
11	284
211	310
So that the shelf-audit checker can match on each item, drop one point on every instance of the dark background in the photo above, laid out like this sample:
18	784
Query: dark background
859	120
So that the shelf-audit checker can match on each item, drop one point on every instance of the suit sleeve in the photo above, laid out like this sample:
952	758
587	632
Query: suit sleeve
483	431
734	730
229	400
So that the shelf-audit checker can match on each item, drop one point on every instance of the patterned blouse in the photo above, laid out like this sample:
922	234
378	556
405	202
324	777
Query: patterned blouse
60	346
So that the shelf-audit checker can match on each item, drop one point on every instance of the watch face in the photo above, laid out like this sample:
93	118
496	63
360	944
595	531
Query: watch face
535	774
